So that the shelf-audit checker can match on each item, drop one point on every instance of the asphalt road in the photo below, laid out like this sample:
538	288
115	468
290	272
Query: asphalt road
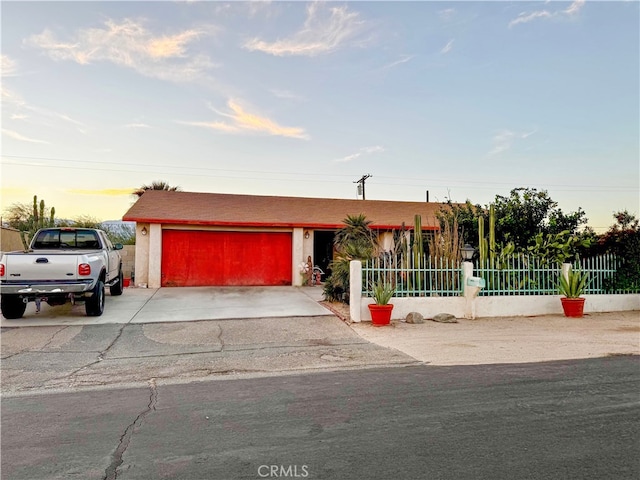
557	420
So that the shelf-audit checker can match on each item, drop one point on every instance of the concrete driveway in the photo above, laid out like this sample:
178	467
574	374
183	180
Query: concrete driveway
146	305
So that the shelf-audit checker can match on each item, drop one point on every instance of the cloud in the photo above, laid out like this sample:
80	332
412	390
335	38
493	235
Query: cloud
447	48
526	17
359	153
287	95
447	13
14	100
9	67
136	125
108	192
504	140
14	103
403	59
129	44
324	31
22	138
243	122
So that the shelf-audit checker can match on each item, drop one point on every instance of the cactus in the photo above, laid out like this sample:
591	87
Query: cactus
487	248
41	215
492	232
418	249
482	242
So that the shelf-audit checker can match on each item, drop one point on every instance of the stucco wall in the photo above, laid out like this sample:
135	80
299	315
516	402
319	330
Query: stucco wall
10	240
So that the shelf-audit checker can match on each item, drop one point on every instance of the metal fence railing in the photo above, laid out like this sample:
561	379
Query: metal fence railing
429	277
518	275
602	271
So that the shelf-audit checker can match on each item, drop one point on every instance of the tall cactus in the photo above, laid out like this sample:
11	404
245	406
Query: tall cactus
35	212
41	215
482	242
486	247
418	249
492	232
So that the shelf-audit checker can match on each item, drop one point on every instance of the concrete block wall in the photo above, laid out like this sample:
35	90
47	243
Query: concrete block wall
128	254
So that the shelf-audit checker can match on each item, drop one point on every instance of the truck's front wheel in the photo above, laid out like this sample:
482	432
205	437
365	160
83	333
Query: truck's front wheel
12	306
94	305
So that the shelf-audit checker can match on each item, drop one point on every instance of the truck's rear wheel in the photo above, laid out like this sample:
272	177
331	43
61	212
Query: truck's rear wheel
12	306
94	305
116	288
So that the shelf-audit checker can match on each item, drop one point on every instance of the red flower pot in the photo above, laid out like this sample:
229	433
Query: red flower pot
380	314
573	307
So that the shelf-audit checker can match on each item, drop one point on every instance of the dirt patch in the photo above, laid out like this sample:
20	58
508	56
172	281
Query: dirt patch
341	310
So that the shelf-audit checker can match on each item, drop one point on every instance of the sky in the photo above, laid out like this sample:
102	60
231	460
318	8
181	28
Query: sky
463	100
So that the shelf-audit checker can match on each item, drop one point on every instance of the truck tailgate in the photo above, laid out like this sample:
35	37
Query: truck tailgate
42	266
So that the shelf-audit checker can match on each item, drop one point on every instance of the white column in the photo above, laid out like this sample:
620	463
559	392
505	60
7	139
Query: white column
297	252
469	292
141	269
155	255
355	290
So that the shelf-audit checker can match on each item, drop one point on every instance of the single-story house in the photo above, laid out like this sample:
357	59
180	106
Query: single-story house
208	239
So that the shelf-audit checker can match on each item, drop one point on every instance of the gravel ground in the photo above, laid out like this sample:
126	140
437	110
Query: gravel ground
511	339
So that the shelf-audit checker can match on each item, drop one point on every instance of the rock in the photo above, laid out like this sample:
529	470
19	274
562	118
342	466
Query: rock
445	318
414	317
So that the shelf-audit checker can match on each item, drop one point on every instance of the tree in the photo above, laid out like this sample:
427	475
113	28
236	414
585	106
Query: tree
527	212
623	240
29	218
156	185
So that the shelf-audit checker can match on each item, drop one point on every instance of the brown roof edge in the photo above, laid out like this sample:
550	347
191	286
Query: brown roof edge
316	226
182	208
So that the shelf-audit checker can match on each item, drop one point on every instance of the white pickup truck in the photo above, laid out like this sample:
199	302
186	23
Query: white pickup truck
62	264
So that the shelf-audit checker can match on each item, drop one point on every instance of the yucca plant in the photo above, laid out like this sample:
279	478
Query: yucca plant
382	292
574	284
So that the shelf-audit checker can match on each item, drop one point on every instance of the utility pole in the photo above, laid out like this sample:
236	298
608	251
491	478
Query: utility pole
361	185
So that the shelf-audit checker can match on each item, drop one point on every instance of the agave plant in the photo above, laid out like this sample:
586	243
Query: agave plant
382	292
574	284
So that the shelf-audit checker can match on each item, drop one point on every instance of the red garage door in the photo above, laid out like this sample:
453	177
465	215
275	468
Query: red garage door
197	258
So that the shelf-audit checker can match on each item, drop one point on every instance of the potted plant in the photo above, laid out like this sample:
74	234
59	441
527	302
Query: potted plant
572	286
381	310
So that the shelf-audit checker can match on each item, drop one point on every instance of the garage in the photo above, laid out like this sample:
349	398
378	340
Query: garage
192	258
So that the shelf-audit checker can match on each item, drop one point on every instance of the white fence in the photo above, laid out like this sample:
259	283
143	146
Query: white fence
470	305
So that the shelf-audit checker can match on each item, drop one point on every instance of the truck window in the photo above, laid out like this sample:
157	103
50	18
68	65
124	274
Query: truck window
47	239
71	238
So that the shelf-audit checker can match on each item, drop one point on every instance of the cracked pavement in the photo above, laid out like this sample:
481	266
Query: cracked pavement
36	359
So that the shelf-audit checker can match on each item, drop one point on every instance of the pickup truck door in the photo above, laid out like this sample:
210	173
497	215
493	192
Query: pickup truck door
113	257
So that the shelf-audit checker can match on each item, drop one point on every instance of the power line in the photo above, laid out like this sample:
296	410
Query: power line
196	171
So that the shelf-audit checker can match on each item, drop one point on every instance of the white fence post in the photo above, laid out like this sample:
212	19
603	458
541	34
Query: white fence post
469	292
566	268
355	290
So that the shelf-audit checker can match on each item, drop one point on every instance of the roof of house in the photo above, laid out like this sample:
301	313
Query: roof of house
159	206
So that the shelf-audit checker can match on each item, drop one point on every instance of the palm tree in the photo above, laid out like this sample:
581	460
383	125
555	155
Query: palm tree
355	241
358	235
156	185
